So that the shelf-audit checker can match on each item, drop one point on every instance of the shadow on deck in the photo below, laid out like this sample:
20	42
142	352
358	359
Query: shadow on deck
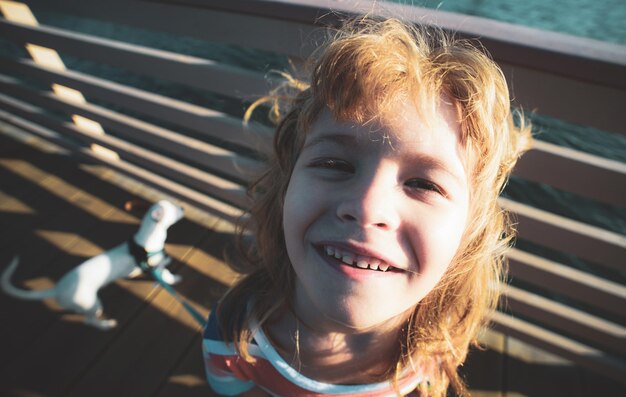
56	211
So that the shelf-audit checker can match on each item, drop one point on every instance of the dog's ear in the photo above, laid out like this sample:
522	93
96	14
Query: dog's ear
157	214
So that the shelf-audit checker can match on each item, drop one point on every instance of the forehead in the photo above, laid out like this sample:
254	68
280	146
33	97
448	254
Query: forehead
404	125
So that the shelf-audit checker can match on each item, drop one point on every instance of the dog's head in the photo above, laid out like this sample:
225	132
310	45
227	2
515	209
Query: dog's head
164	213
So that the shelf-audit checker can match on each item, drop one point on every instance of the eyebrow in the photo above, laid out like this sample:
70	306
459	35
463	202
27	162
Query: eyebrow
341	139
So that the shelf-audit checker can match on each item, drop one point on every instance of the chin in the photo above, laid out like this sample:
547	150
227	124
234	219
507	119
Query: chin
365	317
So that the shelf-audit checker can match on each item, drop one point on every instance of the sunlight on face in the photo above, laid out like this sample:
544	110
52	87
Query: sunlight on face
373	216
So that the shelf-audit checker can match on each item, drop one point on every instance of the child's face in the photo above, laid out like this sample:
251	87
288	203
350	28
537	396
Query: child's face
376	196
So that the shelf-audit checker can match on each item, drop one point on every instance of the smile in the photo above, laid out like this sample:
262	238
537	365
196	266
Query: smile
355	260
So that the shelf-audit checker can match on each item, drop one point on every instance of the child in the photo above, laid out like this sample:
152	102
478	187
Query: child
379	239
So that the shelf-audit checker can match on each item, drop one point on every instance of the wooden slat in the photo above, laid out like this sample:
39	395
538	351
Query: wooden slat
565	76
591	176
193	177
51	378
212	157
484	367
57	191
224	27
589	168
611	336
576	172
199	119
592	243
189	70
590	357
558	53
156	347
188	377
80	345
211	205
577	101
547	63
577	285
68	348
237	21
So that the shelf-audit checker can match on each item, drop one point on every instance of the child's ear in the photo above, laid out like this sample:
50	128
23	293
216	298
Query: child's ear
157	214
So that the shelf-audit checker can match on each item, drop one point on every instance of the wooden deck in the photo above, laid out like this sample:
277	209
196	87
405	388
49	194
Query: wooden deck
56	211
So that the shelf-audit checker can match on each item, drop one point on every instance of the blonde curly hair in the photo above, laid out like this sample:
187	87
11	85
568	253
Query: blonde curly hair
358	75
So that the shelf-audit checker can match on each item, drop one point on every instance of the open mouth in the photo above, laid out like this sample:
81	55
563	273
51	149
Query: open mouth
358	261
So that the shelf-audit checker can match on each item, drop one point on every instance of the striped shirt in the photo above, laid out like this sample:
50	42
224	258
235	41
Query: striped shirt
228	374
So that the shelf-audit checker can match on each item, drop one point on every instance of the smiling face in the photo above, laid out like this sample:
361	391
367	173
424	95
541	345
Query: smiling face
373	216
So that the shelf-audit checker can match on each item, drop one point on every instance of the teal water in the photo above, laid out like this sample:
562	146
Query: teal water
596	19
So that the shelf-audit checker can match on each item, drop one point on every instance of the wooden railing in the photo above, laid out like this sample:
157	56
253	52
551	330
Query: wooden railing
206	156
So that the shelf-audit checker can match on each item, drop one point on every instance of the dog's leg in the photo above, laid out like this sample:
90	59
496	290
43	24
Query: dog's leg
160	261
166	275
136	272
169	277
95	318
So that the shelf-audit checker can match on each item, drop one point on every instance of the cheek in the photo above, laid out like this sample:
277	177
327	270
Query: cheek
296	211
291	227
290	209
436	240
303	202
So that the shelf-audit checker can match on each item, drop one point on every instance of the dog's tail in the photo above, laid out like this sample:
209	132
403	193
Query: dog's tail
18	292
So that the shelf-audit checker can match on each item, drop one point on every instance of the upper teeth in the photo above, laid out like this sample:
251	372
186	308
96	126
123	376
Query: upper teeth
350	258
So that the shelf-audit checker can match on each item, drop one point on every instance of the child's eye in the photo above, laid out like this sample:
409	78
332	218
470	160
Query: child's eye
424	184
332	164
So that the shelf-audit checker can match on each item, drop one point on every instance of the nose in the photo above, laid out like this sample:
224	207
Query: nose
371	203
